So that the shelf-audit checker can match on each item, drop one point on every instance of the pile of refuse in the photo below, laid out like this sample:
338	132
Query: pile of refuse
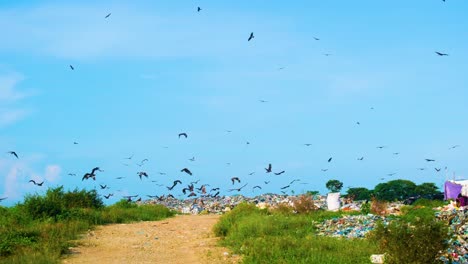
349	226
457	251
222	204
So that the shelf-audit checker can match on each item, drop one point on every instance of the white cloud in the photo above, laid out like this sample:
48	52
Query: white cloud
52	173
10	96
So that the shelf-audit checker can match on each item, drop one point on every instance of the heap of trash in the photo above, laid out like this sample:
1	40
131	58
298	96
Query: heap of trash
457	251
349	226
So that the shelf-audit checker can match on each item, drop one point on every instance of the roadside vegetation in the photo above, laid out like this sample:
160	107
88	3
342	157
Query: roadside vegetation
42	228
286	234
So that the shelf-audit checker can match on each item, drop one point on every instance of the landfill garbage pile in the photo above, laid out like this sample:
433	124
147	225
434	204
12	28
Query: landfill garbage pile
457	251
222	204
349	226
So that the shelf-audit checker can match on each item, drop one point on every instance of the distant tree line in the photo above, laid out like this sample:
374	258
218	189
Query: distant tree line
396	190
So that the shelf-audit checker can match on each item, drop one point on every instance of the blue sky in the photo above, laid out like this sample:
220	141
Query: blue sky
153	70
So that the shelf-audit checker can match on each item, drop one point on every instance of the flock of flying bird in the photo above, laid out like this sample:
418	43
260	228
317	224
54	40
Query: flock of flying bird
190	190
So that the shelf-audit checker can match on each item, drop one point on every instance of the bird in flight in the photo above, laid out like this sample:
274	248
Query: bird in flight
13	153
233	179
252	173
192	159
294	181
381	147
71	174
183	134
361	158
330	159
195	182
3	198
316	38
174	184
396	153
391	174
251	36
421	168
162	173
142	173
324	169
268	170
129	197
119	178
285	187
256	187
108	15
186	171
71	67
437	169
357	123
266	182
103	186
279	173
441	54
238	189
456	146
307	144
263	101
129	158
75	143
108	196
36	183
199	9
429	160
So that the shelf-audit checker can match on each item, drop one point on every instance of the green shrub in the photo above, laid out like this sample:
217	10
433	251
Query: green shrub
416	242
366	208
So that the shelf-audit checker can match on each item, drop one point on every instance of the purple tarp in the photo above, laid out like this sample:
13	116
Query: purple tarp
451	190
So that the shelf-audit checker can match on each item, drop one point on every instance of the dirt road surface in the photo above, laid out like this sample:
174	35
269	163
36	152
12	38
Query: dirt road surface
181	239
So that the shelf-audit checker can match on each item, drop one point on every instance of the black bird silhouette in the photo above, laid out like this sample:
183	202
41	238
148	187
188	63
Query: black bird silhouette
192	159
108	15
330	159
71	174
279	173
456	146
153	196
142	173
324	169
391	174
266	182
108	196
238	189
441	54
437	169
214	189
216	194
119	178
308	144
421	168
261	101
129	158
71	67
316	38
233	179
92	174
162	173
252	173
192	194
357	123
174	184
251	36
195	182
381	147
268	170
103	186
285	187
183	134
170	196
396	153
3	198
35	183
199	9
294	181
256	187
75	143
13	153
186	171
361	158
429	160
139	200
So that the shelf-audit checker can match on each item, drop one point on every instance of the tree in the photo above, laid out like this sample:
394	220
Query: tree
359	193
334	185
395	190
427	189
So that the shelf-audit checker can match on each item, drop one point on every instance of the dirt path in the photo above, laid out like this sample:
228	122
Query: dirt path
181	239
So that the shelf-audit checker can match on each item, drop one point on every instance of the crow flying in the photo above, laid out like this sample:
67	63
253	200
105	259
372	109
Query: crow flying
308	144
13	153
183	134
285	187
266	182
256	187
294	181
192	194
251	36
456	146
330	159
129	197
71	174
441	54
108	15
71	67
175	183
429	160
233	179
239	189
252	173
361	158
35	183
75	143
199	9
279	173
108	196
103	186
192	159
324	169
437	169
3	198
268	170
142	173
186	171
195	182
381	147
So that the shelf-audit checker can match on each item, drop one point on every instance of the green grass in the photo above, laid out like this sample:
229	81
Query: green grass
29	235
281	237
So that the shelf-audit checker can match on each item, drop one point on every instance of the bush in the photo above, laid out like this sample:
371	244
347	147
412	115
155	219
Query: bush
366	208
378	207
304	204
418	241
